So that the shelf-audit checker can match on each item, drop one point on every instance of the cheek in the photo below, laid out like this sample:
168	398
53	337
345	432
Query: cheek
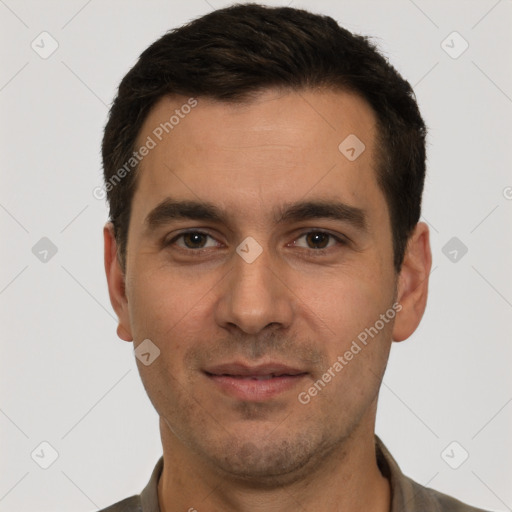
173	310
165	308
345	301
165	300
356	348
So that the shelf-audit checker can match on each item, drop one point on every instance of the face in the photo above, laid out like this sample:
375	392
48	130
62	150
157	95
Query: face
260	264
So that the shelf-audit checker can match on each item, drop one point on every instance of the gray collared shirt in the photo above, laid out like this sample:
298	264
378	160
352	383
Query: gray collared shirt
406	495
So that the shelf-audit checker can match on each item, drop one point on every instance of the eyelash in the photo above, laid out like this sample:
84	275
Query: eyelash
317	252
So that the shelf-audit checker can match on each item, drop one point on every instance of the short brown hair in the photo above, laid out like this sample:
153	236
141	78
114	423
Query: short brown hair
231	54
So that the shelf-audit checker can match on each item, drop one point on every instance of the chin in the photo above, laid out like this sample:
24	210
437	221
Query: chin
265	460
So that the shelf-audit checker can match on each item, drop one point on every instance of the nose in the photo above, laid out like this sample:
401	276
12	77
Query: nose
253	296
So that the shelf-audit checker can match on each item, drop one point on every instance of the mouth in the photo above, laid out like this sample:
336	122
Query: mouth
254	383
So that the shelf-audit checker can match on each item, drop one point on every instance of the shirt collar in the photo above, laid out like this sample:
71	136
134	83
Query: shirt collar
405	495
149	495
403	491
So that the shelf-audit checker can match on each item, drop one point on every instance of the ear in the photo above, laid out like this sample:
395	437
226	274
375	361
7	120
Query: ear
413	283
116	283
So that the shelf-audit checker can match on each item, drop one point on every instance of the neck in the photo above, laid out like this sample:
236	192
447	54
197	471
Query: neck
344	478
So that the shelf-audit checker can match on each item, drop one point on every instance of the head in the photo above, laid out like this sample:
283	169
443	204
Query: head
280	48
278	125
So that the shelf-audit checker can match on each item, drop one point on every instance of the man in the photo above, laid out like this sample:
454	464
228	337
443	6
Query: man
264	170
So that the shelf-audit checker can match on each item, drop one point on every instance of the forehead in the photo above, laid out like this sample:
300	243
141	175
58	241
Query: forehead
250	156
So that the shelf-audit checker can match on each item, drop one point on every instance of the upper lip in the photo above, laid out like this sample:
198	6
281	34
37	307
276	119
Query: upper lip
243	370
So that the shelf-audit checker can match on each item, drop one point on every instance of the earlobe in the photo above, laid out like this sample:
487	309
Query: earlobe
413	283
123	334
116	283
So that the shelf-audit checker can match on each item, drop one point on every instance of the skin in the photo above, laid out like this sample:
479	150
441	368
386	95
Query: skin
292	304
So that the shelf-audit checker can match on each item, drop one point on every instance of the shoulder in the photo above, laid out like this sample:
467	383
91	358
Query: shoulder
131	504
435	501
146	501
408	495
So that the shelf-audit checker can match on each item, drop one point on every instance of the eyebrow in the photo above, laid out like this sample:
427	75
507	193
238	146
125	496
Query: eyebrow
322	209
170	209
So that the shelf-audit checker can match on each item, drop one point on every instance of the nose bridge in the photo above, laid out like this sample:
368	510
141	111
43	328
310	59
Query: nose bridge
253	297
250	278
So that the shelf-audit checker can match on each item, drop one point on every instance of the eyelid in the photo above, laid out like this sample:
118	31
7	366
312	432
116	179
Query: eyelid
339	238
167	242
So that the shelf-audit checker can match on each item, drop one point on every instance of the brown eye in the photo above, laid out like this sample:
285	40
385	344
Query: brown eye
317	239
194	240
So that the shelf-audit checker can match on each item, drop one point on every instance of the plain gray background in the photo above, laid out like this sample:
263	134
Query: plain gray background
67	380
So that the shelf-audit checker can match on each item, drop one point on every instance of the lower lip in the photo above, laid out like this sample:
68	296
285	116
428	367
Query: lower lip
255	390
